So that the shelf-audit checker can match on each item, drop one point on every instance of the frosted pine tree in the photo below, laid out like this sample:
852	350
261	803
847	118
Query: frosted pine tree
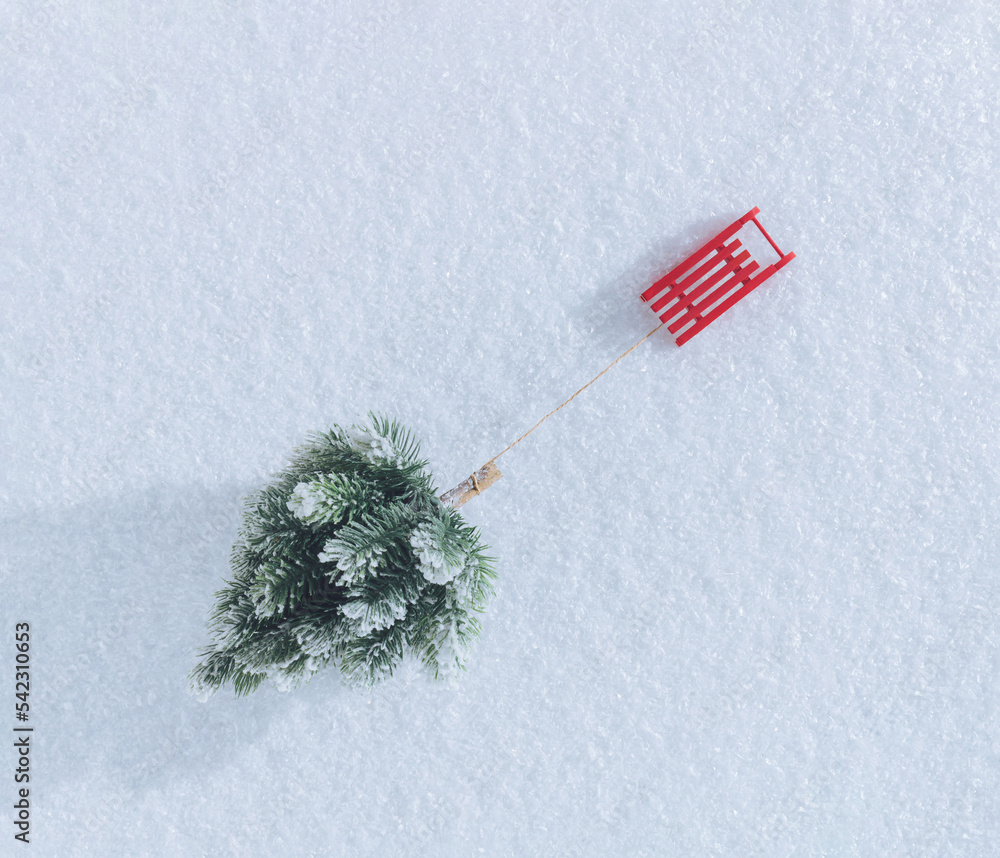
347	558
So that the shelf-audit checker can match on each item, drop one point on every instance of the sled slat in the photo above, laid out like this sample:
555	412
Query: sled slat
739	272
726	270
739	276
737	296
696	257
681	287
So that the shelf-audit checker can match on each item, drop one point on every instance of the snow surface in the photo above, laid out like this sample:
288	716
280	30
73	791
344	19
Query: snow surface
748	598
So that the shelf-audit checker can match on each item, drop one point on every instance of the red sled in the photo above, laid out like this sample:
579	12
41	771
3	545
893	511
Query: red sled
718	268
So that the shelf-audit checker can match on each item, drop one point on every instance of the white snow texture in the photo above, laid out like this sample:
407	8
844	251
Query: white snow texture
747	600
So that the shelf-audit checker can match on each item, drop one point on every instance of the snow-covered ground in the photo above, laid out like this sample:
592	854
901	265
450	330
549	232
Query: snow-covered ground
748	599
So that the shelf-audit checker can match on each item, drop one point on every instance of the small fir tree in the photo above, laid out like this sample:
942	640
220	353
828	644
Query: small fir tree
349	558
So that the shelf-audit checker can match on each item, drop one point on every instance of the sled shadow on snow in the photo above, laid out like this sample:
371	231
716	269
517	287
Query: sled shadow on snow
118	594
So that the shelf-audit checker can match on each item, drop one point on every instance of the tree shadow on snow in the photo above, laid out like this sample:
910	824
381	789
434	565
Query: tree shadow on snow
118	594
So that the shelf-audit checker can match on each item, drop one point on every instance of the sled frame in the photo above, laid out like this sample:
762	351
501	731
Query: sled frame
710	281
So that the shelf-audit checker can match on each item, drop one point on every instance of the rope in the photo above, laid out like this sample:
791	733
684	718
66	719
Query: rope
575	395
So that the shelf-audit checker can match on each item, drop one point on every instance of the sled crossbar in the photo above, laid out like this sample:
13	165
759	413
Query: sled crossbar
716	276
